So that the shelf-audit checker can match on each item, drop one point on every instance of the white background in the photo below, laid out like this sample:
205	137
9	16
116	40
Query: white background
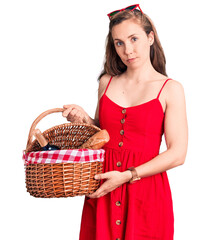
51	53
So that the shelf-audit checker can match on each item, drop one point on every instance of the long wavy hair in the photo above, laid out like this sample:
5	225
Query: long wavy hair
112	62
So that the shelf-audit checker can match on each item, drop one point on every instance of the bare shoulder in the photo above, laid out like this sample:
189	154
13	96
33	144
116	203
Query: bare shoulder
174	88
174	91
104	80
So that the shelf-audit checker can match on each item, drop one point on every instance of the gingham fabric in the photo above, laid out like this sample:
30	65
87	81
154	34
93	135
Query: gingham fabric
64	156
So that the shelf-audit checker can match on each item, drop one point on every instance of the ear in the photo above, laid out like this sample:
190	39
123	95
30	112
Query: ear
151	37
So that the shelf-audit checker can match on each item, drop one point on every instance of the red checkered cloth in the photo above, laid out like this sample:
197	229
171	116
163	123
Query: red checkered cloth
64	156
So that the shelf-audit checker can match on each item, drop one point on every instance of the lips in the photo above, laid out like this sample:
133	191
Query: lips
131	59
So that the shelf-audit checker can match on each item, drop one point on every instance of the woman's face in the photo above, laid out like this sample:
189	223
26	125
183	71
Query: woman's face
131	43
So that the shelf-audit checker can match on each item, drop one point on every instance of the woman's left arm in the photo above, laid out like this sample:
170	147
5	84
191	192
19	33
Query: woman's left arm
175	131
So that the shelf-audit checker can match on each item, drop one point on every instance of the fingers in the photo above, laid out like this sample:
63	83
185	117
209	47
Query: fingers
97	194
102	175
113	181
102	190
75	116
72	106
74	113
66	112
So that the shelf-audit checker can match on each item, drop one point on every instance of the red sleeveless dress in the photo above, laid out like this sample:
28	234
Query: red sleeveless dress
142	210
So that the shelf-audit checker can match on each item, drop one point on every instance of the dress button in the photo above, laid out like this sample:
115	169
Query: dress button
123	120
118	222
121	132
124	111
120	144
118	203
119	164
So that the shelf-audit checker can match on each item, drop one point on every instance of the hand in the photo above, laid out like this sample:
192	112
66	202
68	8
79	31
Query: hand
75	113
114	180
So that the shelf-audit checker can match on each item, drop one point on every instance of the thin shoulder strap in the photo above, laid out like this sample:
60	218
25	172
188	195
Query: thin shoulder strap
163	86
108	84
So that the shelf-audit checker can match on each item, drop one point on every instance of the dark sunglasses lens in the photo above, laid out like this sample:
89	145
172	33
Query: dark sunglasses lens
131	7
113	13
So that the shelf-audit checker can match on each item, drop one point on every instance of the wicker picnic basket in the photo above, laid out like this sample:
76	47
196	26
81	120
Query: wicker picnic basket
48	180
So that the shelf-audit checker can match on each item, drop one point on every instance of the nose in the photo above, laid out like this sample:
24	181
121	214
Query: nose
128	49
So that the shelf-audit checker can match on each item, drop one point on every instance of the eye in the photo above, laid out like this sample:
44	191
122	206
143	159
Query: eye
134	39
119	43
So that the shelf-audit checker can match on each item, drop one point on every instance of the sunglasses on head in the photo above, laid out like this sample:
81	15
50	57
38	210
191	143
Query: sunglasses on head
129	8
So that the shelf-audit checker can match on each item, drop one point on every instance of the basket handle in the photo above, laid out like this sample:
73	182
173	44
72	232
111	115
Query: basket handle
37	120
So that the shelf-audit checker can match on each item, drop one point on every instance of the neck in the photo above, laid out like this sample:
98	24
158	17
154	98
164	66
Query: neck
141	73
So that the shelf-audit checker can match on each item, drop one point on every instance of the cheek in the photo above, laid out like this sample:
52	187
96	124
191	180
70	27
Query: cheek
120	53
144	49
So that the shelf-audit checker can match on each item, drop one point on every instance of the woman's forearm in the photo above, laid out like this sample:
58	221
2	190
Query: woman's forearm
93	121
162	162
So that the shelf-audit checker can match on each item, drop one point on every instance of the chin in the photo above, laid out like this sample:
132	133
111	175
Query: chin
134	65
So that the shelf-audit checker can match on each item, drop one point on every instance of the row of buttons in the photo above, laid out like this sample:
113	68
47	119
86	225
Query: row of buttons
118	203
122	131
118	222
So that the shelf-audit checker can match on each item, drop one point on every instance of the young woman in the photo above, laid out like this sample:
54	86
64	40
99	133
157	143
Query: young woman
137	104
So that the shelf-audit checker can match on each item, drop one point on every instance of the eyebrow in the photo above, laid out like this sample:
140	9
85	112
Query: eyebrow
128	36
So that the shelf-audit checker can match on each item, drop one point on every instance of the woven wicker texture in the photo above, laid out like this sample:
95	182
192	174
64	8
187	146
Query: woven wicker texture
66	136
62	179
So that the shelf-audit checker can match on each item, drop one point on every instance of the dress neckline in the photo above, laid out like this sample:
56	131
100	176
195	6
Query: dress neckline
139	105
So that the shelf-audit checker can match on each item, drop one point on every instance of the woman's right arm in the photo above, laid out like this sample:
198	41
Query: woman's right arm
75	113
